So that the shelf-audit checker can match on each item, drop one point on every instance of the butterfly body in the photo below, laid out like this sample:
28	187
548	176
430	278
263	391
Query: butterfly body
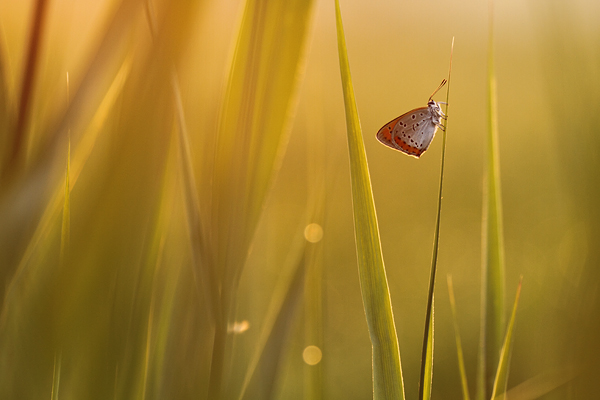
412	132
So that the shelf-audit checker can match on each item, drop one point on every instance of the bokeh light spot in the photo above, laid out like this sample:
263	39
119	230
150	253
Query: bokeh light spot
313	232
312	355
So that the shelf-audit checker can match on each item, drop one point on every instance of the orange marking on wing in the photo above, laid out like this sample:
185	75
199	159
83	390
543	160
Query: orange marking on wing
408	148
385	133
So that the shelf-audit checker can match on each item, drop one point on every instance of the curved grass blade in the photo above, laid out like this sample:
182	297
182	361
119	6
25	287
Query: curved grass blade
501	378
387	371
461	362
492	274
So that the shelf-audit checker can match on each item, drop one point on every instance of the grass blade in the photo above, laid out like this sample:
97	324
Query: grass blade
427	365
281	314
56	378
81	155
459	351
65	235
492	307
28	84
501	378
253	130
387	371
426	377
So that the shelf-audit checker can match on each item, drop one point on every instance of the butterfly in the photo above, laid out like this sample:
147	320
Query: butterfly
412	133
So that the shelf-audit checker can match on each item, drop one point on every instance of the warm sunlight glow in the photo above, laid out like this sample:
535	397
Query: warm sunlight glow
239	327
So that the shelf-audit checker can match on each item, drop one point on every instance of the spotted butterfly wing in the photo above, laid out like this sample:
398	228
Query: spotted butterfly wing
412	133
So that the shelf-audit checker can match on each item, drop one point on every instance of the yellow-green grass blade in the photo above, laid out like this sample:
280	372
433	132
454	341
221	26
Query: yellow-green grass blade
492	306
56	378
80	158
84	117
281	313
253	129
387	371
427	378
542	384
201	256
501	378
255	121
459	352
203	268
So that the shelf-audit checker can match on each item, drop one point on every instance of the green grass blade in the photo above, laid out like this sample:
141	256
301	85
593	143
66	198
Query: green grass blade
427	366
501	378
387	372
492	311
461	362
56	378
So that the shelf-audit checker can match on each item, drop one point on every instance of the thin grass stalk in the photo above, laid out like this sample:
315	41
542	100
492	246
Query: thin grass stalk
492	275
461	361
56	377
65	235
501	376
426	375
387	371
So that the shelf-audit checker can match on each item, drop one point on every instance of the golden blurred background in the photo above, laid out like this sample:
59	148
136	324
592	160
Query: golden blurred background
126	314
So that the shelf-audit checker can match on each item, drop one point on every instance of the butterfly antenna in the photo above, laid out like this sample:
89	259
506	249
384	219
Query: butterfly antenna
436	90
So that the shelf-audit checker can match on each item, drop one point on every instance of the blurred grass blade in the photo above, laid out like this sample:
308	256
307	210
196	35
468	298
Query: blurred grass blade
427	381
541	384
255	120
282	312
19	138
459	351
6	106
253	130
501	378
201	256
82	154
492	275
56	378
387	371
65	234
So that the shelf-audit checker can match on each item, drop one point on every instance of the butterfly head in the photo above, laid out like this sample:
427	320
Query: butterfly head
435	109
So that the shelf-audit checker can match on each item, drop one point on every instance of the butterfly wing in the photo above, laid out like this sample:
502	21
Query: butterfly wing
410	133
